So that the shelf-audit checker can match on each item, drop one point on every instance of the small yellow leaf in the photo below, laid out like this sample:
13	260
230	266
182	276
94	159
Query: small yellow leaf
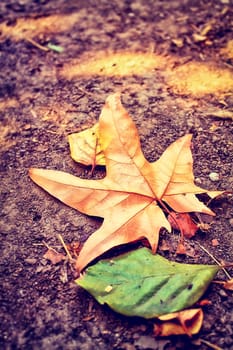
85	147
183	322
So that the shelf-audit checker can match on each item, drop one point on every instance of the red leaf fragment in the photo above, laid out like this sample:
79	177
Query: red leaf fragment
215	242
183	223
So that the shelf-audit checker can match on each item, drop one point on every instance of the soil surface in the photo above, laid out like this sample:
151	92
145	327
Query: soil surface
59	61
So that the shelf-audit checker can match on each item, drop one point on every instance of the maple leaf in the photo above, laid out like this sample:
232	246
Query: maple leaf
131	196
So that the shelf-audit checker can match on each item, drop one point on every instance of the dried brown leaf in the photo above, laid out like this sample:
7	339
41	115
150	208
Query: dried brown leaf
128	197
183	322
53	256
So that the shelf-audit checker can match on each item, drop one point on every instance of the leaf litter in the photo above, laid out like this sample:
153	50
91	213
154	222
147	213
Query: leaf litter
135	199
133	192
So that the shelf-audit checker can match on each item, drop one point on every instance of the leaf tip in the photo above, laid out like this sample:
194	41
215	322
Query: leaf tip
31	171
114	100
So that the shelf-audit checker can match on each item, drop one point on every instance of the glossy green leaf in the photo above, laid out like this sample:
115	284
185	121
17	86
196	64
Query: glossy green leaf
146	285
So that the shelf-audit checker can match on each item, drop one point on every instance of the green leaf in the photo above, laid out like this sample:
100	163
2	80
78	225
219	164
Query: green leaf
146	285
56	48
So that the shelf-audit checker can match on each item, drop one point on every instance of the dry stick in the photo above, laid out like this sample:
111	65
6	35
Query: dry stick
34	43
210	345
65	247
217	262
47	246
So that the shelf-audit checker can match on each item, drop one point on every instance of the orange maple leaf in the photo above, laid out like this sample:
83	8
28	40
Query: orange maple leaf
132	196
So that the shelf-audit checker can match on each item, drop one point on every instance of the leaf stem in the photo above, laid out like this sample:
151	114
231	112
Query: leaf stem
217	262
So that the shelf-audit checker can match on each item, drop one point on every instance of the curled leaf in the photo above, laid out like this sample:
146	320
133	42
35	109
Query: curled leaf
183	322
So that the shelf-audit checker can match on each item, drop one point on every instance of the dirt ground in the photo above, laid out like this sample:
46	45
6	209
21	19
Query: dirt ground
172	61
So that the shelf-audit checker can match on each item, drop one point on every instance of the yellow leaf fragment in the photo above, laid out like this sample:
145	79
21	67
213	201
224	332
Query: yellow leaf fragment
85	147
183	322
198	37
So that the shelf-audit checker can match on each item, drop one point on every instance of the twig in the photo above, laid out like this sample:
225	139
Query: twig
65	247
210	345
85	91
217	262
47	246
34	113
34	43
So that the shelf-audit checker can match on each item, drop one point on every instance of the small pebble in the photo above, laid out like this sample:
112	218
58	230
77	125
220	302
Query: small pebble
214	176
222	293
198	180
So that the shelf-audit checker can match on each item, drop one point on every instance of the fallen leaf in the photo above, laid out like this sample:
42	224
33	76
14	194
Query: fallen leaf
181	250
228	284
53	256
179	42
183	223
165	246
85	147
74	248
129	195
220	113
198	37
183	322
215	242
204	302
139	283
